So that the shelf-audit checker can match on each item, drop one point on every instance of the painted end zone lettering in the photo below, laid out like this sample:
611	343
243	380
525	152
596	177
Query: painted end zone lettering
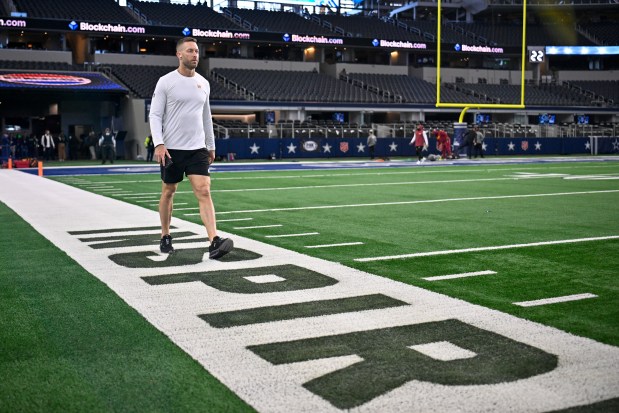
389	362
235	281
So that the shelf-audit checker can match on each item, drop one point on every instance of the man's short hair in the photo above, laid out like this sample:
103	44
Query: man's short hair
185	40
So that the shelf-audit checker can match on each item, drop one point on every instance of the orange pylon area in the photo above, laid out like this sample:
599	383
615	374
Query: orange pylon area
40	168
10	164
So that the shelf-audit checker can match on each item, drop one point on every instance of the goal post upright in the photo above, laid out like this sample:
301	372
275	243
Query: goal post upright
467	106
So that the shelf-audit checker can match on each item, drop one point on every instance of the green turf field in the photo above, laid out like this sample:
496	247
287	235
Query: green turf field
70	344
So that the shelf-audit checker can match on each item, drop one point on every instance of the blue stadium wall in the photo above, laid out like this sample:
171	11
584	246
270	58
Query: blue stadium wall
263	148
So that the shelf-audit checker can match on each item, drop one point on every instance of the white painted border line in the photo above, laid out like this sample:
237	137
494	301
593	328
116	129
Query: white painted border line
231	219
461	275
292	235
424	201
260	226
554	300
342	244
497	247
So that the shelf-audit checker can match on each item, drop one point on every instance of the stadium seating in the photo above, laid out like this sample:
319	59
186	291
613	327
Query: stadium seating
94	10
286	86
273	21
608	89
197	15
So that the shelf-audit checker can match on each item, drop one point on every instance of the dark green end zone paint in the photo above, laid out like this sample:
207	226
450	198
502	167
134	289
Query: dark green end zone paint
234	281
388	363
299	310
187	256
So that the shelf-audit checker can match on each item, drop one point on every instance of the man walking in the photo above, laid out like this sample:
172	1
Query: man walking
182	131
420	142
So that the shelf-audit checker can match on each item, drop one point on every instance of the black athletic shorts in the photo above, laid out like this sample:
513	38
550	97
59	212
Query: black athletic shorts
195	162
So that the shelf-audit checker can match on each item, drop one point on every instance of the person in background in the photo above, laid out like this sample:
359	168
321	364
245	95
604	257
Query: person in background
61	147
467	142
48	145
371	143
182	129
107	142
478	143
150	148
443	143
420	142
91	142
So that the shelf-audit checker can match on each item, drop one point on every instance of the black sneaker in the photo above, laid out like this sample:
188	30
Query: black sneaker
220	247
165	245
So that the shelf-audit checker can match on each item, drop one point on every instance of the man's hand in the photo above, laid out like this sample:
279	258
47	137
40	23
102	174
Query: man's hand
211	157
160	154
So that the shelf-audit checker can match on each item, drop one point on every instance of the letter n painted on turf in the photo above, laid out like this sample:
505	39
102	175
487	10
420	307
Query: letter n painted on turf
389	361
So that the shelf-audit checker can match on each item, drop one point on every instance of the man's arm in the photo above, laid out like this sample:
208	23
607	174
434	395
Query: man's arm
155	117
207	122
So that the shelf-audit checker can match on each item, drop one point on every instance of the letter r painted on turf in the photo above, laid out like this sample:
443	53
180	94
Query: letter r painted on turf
389	361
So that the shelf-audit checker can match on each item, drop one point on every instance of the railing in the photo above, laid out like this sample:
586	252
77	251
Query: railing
407	129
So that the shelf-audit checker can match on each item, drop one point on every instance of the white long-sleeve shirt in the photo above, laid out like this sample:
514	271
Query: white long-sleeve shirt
180	113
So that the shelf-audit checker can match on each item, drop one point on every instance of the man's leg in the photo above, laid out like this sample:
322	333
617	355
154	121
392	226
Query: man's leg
166	204
201	185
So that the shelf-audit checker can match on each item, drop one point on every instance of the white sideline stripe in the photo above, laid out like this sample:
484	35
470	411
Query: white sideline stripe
461	275
260	226
291	235
231	219
425	201
497	247
342	244
554	300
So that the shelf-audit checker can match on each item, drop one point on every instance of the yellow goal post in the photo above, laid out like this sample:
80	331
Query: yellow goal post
467	106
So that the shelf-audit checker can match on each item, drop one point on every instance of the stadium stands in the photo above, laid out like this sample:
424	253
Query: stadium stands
286	86
273	21
96	10
197	15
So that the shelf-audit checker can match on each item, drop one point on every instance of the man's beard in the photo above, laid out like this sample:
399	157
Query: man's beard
190	65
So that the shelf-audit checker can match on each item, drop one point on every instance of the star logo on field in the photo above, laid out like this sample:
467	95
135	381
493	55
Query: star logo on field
588	146
616	145
326	148
292	148
254	148
511	146
538	146
393	147
484	146
360	147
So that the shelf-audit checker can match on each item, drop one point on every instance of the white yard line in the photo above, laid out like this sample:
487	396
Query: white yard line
451	181
304	234
231	219
260	226
341	244
424	201
492	248
461	275
554	300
